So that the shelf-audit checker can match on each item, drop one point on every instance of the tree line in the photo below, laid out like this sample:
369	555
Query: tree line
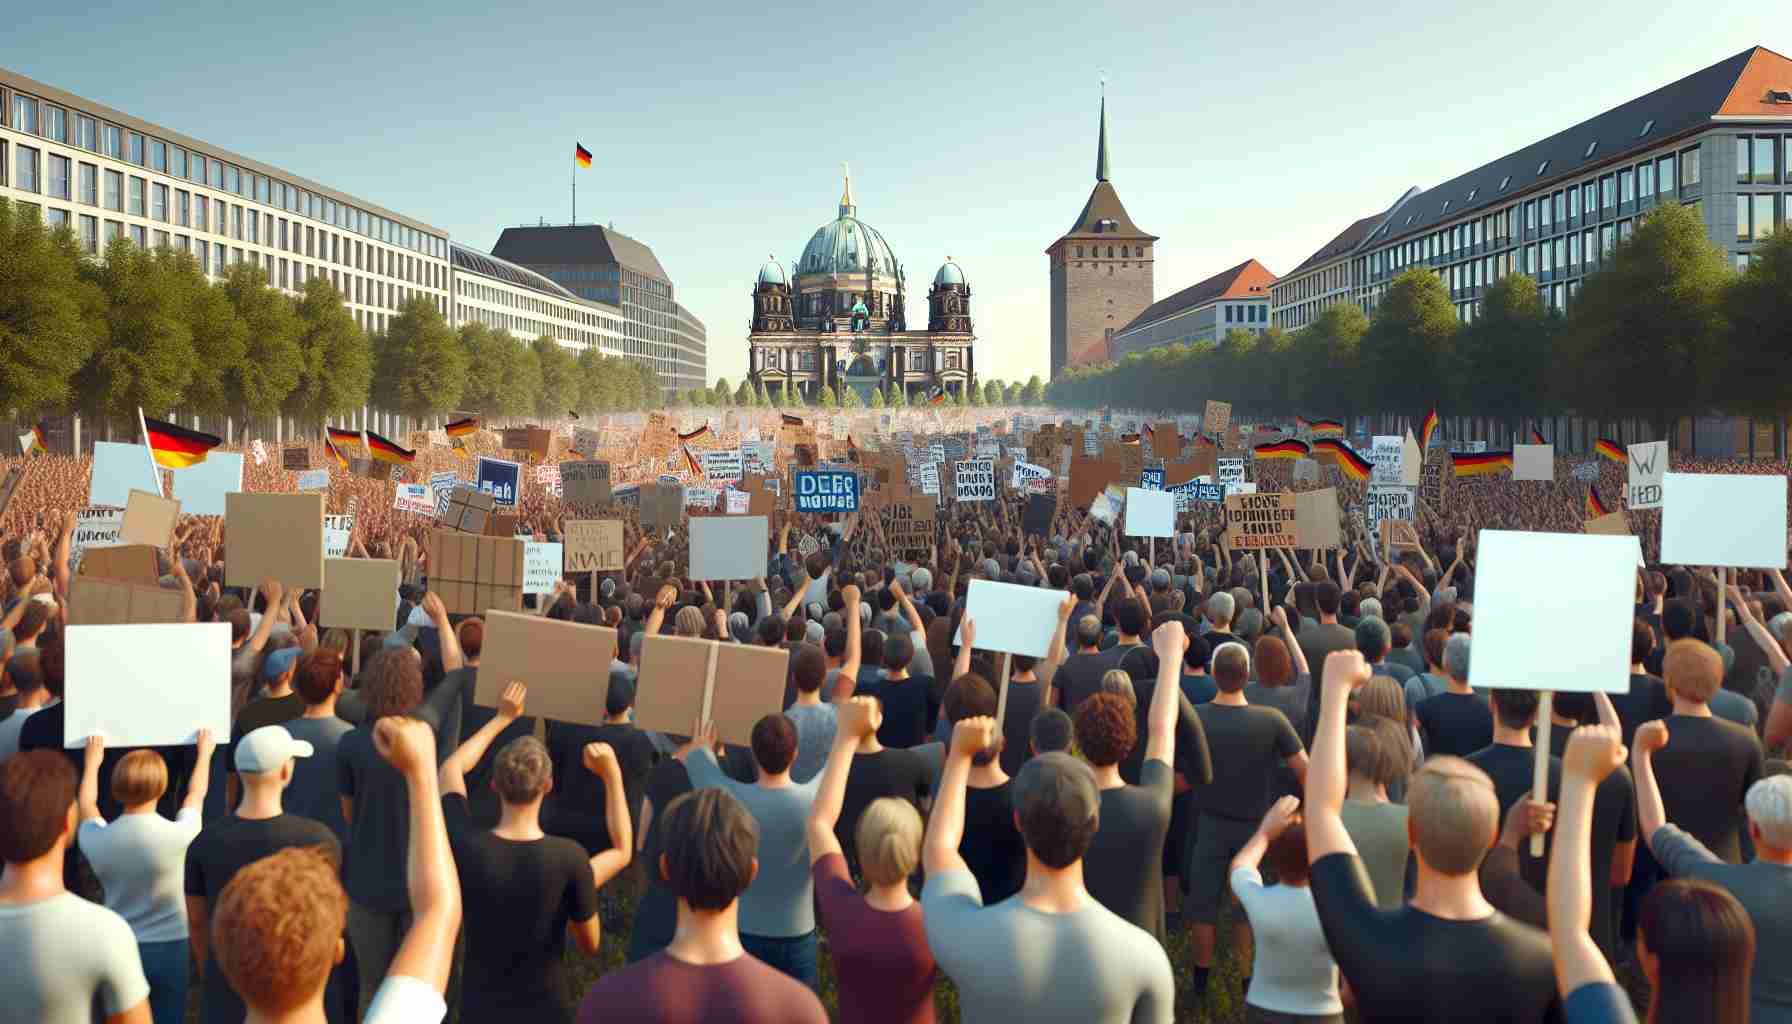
1664	329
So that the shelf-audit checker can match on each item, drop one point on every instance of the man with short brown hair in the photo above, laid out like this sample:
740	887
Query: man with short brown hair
1708	764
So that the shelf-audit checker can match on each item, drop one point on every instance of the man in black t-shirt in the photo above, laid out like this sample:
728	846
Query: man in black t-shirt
1647	699
879	771
1456	722
909	704
1080	675
1447	954
574	810
523	889
1708	764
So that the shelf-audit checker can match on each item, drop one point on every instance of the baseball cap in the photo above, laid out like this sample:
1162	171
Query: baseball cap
267	748
278	663
1059	785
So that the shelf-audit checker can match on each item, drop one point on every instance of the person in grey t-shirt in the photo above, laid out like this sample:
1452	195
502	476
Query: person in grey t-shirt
813	712
1051	954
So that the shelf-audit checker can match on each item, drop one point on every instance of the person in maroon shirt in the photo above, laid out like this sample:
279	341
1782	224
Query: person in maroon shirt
878	940
708	844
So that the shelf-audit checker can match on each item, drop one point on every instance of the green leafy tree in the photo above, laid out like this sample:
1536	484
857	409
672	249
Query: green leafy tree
761	397
559	388
723	394
825	397
1012	394
1409	351
898	396
1760	335
220	338
48	322
485	349
849	398
419	367
974	395
993	392
520	379
877	398
652	395
1326	371
1507	361
271	363
335	360
745	395
144	357
1034	393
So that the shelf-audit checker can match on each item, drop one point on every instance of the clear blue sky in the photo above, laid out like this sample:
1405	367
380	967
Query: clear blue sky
1238	130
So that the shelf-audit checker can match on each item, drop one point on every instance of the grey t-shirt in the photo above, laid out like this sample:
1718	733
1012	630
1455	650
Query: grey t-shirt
313	790
59	954
1379	832
1765	891
781	901
1294	970
815	725
1011	962
141	861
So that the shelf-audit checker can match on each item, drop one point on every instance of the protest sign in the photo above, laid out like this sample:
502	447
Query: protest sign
1509	606
1166	440
1089	478
119	469
359	593
515	439
1030	477
1431	478
500	479
1217	418
314	480
585	483
974	480
1036	518
1388	453
129	563
1587	472
1306	471
1386	502
1648	463
930	479
662	505
547	474
728	547
298	457
1011	618
738	502
146	685
911	531
93	601
541	567
260	452
1316	519
148	519
594	545
703	498
1733	520
1150	513
1108	505
277	535
1412	461
1229	471
1152	479
416	498
565	664
337	532
473	574
825	490
1612	524
1246	487
467	510
684	679
1534	462
1256	521
1397	535
723	466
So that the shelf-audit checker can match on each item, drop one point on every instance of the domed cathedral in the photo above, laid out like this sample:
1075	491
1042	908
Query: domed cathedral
1101	271
838	318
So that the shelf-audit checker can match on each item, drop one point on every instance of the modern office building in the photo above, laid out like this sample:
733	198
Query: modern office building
1325	278
606	266
516	299
1100	272
106	174
1202	313
1718	141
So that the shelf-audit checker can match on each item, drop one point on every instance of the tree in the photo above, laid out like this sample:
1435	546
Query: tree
974	395
760	398
335	362
519	378
1034	393
1506	360
745	395
653	394
993	392
1760	322
1325	364
485	349
1645	322
898	396
1409	351
849	397
877	398
47	323
144	357
270	366
559	388
419	367
722	393
220	338
1012	395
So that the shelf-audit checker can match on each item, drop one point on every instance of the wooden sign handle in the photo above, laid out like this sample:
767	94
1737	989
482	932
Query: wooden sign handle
355	652
709	678
1002	693
1540	764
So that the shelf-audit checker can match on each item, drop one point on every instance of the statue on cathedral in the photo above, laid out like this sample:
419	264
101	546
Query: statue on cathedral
861	317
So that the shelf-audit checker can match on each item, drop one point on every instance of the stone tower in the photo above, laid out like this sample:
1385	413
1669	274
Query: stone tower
1100	271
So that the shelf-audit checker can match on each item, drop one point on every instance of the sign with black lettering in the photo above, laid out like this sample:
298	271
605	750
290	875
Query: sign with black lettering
975	480
1648	464
1255	521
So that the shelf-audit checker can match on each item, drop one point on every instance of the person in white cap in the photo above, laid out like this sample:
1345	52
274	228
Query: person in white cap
260	827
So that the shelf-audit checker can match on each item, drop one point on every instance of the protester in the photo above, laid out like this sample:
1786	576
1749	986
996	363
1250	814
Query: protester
1705	770
313	793
1457	722
572	808
1293	975
1376	754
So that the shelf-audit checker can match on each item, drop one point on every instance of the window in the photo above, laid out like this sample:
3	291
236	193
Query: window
1591	146
158	202
183	207
24	113
254	227
1648	126
1446	206
1561	204
133	148
1763	216
24	176
1624	227
114	191
87	136
1763	160
178	164
1645	181
137	201
1574	250
1544	206
1626	186
55	124
1589	198
1507	180
1530	217
158	155
214	175
1742	210
1530	260
112	141
161	239
1743	149
114	231
139	236
1608	193
1608	240
89	232
1542	167
199	213
58	173
1587	246
90	185
236	222
1574	202
1689	167
1664	175
203	251
1561	254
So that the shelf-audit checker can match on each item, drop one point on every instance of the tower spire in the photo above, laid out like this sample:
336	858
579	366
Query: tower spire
847	207
1101	146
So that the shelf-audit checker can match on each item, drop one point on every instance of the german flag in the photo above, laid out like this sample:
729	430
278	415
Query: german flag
1350	463
40	440
1596	506
1479	463
1427	427
1610	449
177	447
581	155
937	396
343	438
335	453
1287	448
461	427
691	461
792	421
695	434
388	451
1536	437
1326	426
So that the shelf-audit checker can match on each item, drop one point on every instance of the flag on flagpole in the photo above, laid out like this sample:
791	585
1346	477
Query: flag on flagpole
1596	506
176	447
581	154
341	437
389	451
335	453
461	427
1426	428
1610	449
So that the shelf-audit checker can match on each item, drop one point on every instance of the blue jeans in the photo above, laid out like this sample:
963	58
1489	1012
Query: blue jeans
166	966
795	955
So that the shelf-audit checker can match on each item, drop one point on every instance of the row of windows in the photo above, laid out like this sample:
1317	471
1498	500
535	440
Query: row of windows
50	121
1138	252
475	289
804	359
530	328
1255	314
1763	159
1312	284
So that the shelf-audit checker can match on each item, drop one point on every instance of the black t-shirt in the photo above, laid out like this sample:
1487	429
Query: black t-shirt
1614	822
1407	965
1017	726
1704	772
374	864
909	710
1193	759
576	809
213	859
992	847
887	772
1246	743
259	713
1123	867
1646	701
1078	679
1457	724
656	918
519	898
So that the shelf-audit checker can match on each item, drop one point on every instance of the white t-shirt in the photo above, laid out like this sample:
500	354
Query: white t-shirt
141	861
1294	971
62	952
405	1000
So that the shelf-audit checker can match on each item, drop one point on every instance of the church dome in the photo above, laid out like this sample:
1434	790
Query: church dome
949	273
772	273
848	245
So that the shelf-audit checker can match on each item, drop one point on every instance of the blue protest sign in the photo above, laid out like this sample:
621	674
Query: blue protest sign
500	479
1151	480
826	490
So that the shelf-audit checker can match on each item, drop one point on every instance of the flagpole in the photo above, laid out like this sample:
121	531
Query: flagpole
575	189
155	468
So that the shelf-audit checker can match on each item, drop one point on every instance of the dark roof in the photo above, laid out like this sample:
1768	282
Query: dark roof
1349	238
562	244
1249	279
1104	204
474	261
1669	111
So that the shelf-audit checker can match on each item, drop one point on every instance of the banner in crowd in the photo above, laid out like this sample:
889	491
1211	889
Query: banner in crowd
94	527
1385	502
974	480
416	498
911	532
1258	521
500	479
825	490
1648	464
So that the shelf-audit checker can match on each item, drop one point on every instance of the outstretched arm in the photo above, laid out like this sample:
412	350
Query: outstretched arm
409	745
1169	641
849	665
1650	814
970	737
1593	752
859	717
453	775
1327	779
201	781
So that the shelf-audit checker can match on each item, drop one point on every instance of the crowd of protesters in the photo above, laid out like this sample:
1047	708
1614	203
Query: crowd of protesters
1284	743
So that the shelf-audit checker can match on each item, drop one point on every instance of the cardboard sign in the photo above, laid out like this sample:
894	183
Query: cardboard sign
1431	478
593	545
662	505
102	602
475	574
277	535
1534	462
146	685
1648	463
1257	521
148	519
566	665
911	530
728	547
359	593
8	483
1385	502
1150	513
684	679
501	526
1510	654
500	479
1306	471
1723	519
1398	535
1166	440
1089	478
467	510
515	439
1217	418
1316	519
974	480
416	498
1036	518
1612	524
723	465
1011	618
128	563
1229	471
541	567
314	480
829	490
119	469
295	458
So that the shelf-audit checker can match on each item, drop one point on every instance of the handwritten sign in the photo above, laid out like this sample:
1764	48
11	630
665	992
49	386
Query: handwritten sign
1255	521
593	545
975	480
826	490
416	498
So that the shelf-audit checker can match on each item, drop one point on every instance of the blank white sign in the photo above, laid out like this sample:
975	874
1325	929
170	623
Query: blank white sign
1012	618
1723	519
1553	611
201	489
1533	462
728	547
1150	513
119	469
147	686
